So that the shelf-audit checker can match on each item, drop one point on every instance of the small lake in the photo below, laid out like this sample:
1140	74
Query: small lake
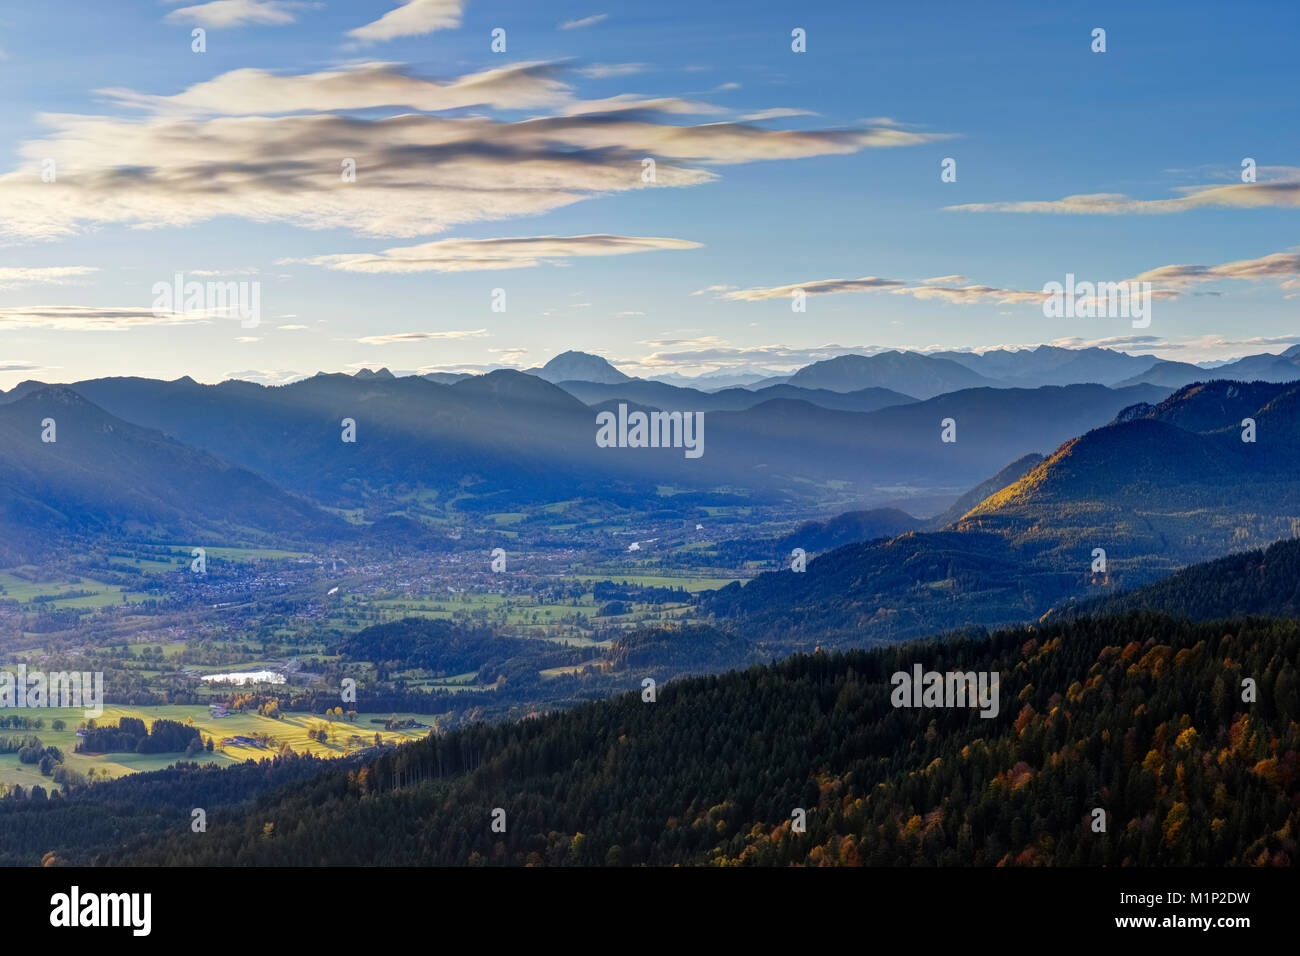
246	677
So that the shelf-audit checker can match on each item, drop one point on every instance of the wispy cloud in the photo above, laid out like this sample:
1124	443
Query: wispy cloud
266	376
937	289
1282	266
219	14
780	112
970	294
394	337
816	287
602	71
703	341
412	19
362	86
465	255
1281	190
14	276
76	318
707	354
579	24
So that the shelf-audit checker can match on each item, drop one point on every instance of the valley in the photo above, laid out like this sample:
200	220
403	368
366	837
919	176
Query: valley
488	586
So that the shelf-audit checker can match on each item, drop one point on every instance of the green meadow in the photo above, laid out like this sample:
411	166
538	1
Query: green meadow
86	592
292	729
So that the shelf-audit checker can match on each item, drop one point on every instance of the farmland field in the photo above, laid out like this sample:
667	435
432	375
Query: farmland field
292	730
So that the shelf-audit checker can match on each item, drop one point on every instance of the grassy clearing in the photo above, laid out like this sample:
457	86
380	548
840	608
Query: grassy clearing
292	730
689	583
23	591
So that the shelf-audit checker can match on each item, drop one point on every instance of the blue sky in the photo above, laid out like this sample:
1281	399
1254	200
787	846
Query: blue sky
775	169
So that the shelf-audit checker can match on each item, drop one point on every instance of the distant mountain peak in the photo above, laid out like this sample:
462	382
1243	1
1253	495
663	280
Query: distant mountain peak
574	366
56	395
369	373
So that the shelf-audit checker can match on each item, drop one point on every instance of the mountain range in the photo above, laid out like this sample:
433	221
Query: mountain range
508	439
1264	368
1161	486
926	374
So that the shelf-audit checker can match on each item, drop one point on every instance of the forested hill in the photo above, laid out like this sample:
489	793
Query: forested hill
1140	716
1263	582
876	592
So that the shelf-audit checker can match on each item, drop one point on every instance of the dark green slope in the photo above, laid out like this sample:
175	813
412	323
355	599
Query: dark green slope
881	591
1265	581
1138	716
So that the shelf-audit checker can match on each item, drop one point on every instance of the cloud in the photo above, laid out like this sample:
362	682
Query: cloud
466	255
14	276
1283	191
590	21
1171	280
601	71
416	174
779	112
1279	265
950	293
413	18
817	287
395	337
705	355
266	376
704	341
76	318
629	104
970	294
362	86
220	14
18	365
468	369
929	290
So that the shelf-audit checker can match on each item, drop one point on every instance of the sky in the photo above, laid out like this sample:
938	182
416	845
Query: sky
503	210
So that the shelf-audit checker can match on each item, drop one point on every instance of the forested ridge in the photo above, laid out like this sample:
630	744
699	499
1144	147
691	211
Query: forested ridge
119	815
1141	716
1264	581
